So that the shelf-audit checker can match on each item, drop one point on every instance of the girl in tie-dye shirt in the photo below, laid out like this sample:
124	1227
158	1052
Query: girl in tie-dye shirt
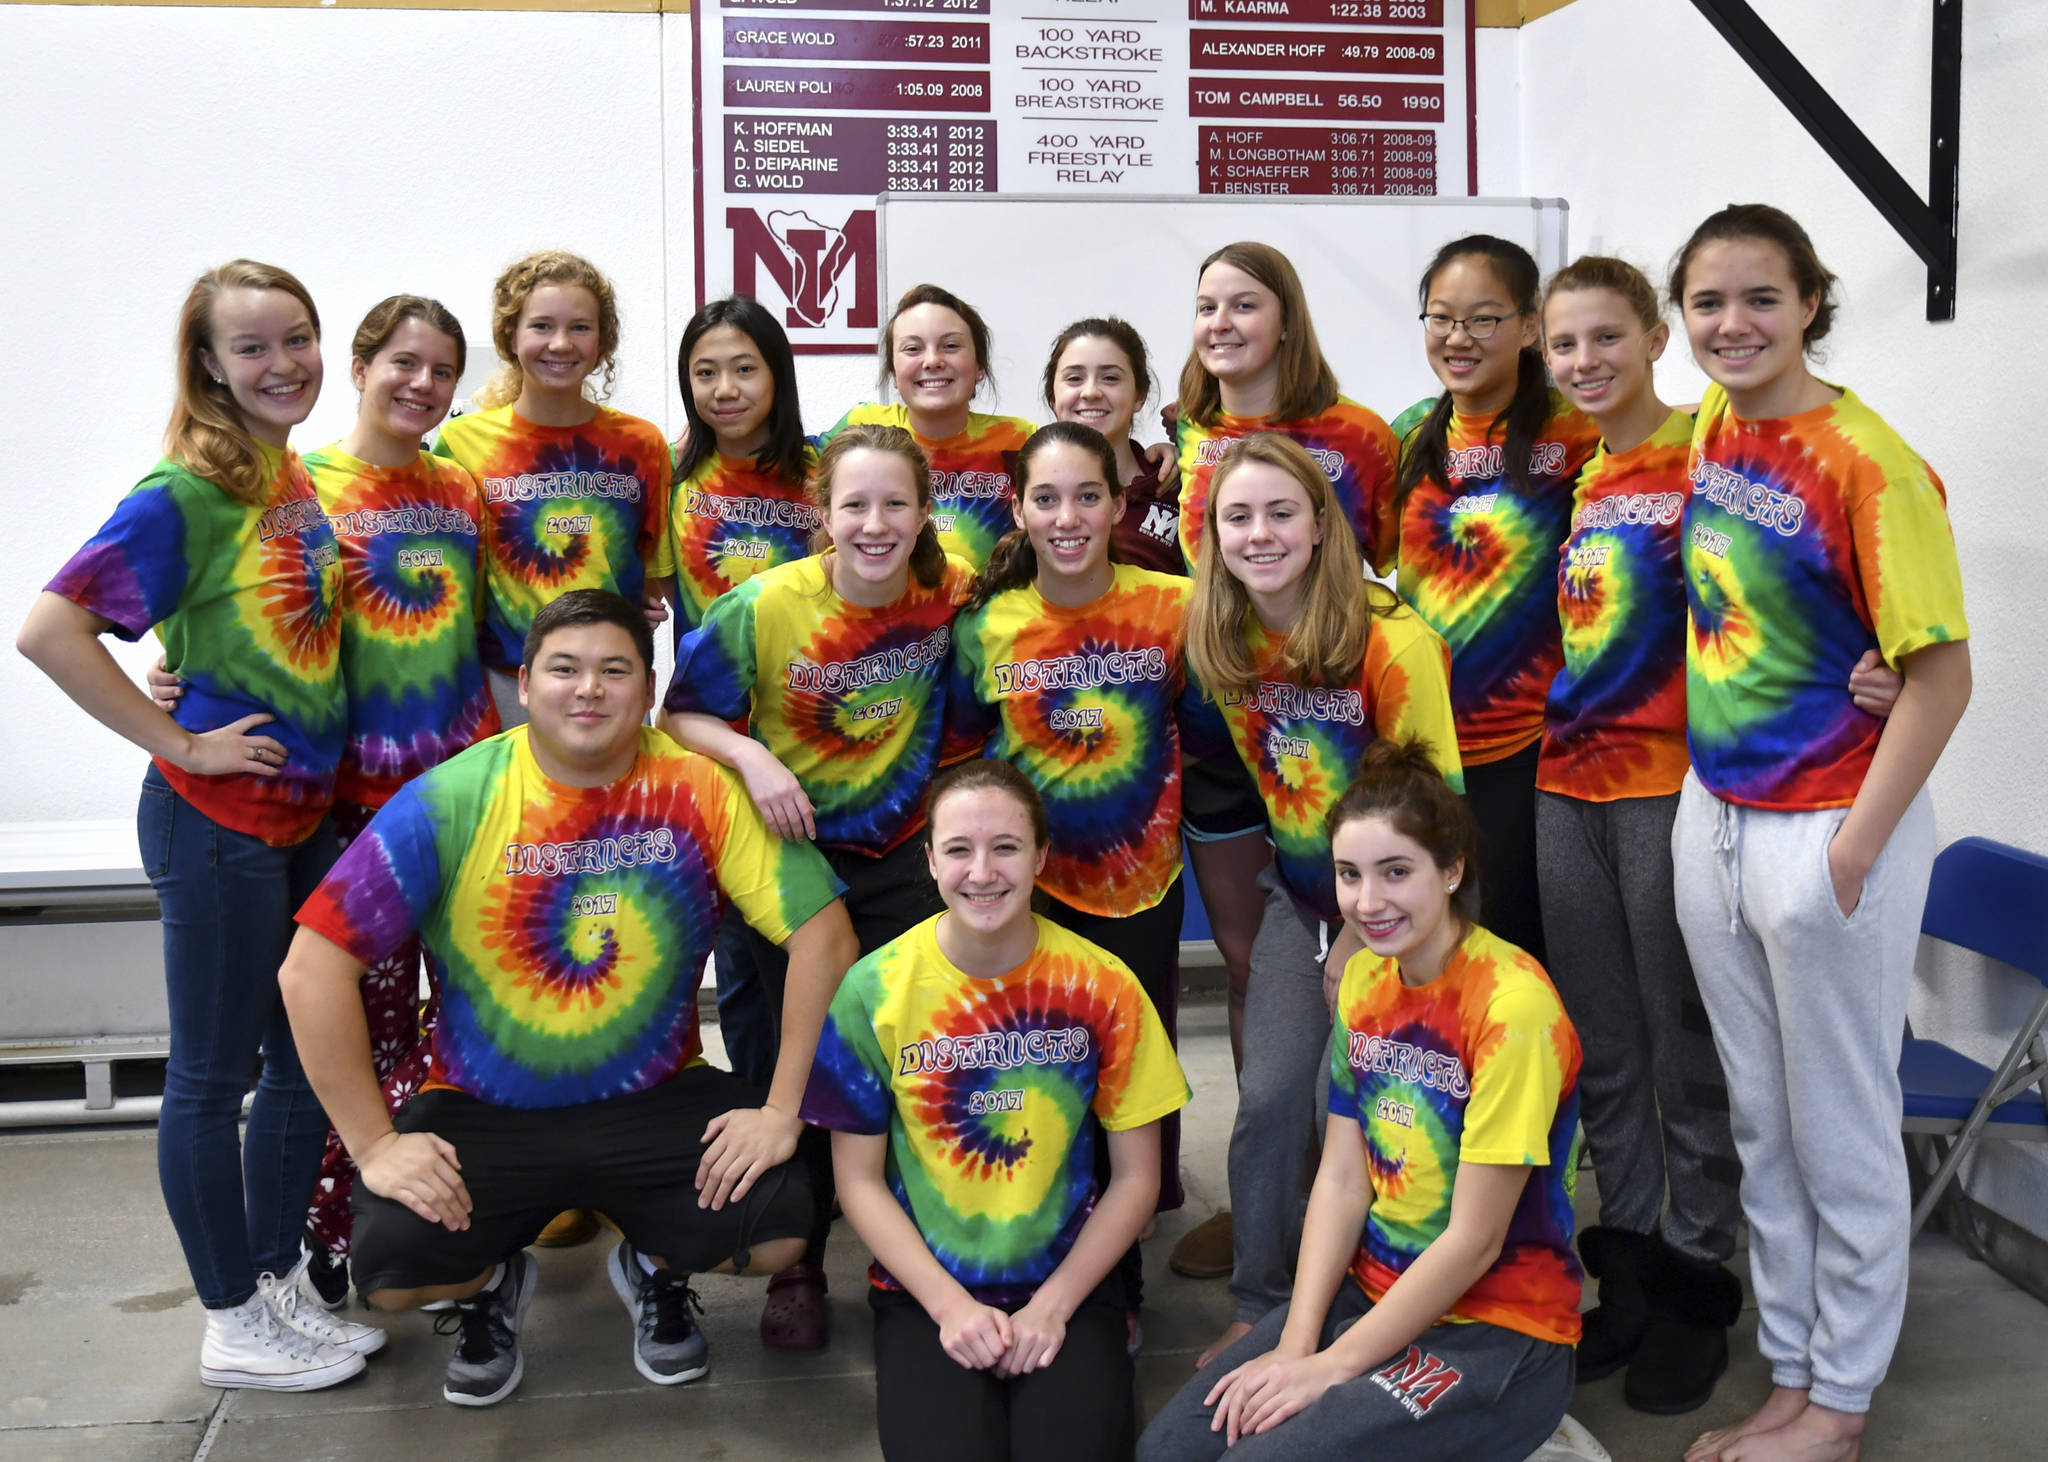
968	1071
409	528
223	549
1308	663
1812	535
742	470
575	494
1485	500
935	351
835	666
1653	1098
1435	1298
1069	666
1255	365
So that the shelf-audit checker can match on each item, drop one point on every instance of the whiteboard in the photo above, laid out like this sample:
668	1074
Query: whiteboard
1034	263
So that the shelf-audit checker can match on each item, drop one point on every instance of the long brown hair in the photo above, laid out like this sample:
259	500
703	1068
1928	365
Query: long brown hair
508	301
1014	562
1326	644
927	557
1308	386
206	434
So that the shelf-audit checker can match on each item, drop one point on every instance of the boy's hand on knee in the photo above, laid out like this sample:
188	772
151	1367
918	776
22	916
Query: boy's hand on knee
421	1171
975	1335
1036	1335
739	1146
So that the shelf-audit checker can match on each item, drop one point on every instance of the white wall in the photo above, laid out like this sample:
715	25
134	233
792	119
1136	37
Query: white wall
1638	113
370	152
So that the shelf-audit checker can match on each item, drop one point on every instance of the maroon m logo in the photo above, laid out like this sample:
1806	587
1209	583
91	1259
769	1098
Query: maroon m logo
806	260
1417	1380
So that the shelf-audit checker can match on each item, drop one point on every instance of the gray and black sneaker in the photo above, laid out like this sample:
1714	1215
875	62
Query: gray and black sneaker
668	1348
487	1365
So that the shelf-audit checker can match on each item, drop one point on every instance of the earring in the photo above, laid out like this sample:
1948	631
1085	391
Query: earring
1451	887
218	381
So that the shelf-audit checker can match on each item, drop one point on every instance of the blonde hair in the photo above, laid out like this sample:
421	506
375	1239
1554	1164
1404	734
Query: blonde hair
207	435
927	556
1307	385
508	302
1327	642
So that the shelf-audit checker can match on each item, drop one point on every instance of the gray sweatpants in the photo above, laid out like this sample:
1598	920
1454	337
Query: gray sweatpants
1652	1097
1461	1392
1286	1051
1809	1008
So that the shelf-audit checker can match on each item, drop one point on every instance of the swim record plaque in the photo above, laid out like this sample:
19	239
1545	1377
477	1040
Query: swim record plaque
806	109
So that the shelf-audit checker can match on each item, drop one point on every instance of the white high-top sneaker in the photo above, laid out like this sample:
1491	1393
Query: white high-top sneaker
289	1301
249	1346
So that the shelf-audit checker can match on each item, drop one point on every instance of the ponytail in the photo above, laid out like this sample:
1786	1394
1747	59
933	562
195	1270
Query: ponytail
928	557
1399	782
1012	565
1527	415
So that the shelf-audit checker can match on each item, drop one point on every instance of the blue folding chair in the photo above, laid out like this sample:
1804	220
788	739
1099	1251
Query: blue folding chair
1992	899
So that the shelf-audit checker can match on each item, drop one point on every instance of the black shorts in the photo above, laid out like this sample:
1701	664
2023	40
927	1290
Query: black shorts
633	1158
1219	800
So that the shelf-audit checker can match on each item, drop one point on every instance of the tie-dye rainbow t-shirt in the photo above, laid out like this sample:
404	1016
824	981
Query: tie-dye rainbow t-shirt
246	600
729	521
974	475
565	507
984	1087
1614	725
1082	701
1478	560
1355	448
850	699
1302	742
1809	539
1479	1065
411	598
567	926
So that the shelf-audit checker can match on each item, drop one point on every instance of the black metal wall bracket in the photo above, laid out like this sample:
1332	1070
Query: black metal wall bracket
1929	228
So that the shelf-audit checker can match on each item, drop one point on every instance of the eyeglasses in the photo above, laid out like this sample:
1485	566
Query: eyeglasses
1479	327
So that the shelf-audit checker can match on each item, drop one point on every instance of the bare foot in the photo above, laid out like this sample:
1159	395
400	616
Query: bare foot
1817	1434
1780	1408
1235	1331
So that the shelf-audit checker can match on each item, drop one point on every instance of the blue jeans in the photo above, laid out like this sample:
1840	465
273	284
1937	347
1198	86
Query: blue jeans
228	900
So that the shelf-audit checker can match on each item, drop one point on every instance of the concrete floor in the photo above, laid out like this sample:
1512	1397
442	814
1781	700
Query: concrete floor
99	1331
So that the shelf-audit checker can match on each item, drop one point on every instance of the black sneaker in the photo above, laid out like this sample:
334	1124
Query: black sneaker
325	1278
668	1348
487	1365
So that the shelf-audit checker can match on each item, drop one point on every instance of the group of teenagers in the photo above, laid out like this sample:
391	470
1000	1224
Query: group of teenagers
1551	761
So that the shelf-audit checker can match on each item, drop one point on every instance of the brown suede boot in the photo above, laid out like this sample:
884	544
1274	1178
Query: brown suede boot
1204	1251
